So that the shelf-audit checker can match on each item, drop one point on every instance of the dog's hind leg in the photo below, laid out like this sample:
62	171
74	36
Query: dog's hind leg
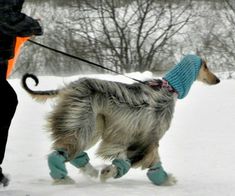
58	171
120	166
73	131
88	169
81	161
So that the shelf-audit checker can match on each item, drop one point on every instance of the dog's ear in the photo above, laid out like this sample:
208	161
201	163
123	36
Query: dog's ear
204	64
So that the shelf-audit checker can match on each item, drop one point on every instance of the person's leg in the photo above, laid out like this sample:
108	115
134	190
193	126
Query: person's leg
8	103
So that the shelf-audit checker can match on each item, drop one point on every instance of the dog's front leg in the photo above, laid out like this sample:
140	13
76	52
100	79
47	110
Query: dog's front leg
157	175
120	166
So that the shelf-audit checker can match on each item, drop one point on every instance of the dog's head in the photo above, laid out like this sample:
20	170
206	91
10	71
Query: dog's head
206	76
184	73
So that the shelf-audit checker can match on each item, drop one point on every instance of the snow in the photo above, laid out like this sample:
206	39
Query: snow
198	149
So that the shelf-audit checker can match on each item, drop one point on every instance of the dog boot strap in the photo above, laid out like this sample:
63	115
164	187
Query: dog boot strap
80	160
123	167
56	163
157	175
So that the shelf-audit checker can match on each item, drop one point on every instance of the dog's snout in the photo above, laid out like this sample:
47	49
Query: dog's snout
215	80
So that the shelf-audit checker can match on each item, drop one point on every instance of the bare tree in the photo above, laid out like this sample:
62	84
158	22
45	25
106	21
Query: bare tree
219	40
131	36
125	35
35	59
225	39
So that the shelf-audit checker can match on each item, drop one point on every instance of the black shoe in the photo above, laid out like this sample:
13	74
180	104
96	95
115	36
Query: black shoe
3	179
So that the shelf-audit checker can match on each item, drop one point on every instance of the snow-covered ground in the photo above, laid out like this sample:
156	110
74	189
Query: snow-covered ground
199	149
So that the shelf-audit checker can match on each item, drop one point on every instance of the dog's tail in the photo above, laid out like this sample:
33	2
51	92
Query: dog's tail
40	96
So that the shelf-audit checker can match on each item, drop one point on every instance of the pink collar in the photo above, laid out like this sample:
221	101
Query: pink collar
157	84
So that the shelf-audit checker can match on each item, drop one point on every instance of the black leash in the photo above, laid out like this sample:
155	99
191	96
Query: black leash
84	60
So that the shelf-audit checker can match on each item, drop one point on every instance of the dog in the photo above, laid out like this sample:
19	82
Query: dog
127	119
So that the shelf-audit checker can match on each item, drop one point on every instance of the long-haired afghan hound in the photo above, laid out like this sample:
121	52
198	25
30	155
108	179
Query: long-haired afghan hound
128	119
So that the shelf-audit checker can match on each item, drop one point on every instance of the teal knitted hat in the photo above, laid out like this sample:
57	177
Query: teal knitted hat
183	74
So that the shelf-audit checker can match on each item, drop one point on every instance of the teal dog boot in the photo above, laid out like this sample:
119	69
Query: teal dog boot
122	166
80	160
56	163
157	175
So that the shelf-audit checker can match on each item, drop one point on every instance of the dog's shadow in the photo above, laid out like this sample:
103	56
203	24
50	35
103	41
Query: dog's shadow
124	184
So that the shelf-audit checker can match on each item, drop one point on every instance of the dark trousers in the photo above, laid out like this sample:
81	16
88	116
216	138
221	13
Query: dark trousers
8	103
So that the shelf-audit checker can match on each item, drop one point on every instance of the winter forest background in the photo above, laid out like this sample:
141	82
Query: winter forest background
129	35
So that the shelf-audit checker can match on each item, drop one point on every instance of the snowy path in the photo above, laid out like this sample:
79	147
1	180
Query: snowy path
199	149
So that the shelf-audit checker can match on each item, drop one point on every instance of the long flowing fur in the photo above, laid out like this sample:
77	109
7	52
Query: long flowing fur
127	118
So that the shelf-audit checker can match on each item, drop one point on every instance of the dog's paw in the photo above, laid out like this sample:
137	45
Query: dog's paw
108	172
89	170
171	180
64	181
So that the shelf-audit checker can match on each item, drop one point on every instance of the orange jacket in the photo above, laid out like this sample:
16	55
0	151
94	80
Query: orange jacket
19	42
